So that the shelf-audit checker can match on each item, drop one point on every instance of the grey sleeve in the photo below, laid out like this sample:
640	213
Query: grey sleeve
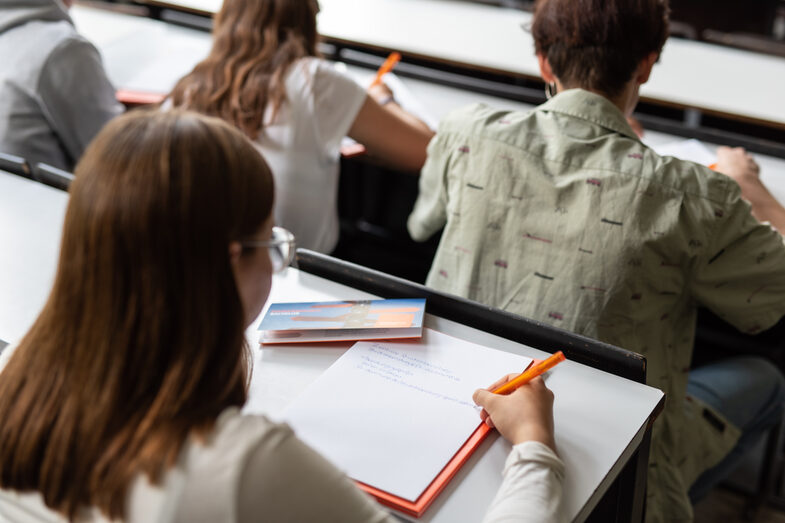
76	95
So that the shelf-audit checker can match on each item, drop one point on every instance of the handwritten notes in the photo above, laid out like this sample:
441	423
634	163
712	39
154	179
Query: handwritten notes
392	414
404	370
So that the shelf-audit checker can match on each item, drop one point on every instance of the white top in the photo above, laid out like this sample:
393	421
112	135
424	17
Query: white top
302	148
251	466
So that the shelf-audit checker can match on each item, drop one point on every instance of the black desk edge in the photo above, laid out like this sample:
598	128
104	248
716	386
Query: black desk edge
539	335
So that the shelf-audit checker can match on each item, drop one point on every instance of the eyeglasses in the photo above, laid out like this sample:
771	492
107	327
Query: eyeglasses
280	248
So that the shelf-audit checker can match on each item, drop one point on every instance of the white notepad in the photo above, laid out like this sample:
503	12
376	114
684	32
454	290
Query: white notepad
691	150
392	414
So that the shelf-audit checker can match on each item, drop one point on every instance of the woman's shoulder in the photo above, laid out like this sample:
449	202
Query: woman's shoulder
226	449
205	482
305	78
320	65
324	95
313	74
235	432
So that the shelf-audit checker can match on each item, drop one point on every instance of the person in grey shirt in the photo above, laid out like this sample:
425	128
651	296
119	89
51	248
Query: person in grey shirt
54	93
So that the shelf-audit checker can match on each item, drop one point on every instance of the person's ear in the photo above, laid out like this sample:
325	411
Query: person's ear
545	69
644	68
235	250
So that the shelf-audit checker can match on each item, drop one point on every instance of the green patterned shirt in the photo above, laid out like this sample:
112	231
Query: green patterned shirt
563	215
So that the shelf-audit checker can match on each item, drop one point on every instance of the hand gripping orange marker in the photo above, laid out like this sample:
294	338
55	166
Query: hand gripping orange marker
386	67
530	373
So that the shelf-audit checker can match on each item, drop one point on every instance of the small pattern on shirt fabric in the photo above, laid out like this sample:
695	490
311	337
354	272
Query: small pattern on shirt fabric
562	215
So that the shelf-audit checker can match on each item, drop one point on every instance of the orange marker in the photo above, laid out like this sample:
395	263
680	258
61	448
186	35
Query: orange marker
530	373
386	67
713	167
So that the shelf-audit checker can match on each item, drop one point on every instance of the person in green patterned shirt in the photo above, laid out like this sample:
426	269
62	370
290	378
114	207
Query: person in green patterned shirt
564	216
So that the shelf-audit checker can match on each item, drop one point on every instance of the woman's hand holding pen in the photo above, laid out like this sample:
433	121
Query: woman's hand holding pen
381	93
526	414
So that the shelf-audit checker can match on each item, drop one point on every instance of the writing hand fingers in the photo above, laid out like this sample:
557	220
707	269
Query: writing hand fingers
501	381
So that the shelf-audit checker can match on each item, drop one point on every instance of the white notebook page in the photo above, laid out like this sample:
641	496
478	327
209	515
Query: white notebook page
691	150
392	414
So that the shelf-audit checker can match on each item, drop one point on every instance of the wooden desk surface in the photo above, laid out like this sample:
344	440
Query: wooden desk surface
690	74
594	442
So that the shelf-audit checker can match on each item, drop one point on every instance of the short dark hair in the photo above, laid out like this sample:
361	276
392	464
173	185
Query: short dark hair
597	44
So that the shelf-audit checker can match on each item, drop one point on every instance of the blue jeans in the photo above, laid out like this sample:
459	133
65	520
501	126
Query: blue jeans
750	392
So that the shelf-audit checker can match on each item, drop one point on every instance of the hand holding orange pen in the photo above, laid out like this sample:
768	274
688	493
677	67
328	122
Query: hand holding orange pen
527	416
530	373
386	67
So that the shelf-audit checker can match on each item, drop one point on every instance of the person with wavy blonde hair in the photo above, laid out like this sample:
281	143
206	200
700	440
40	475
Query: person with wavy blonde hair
122	401
265	76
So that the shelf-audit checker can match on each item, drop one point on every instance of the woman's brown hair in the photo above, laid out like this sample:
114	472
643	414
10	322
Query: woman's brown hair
598	44
254	44
140	343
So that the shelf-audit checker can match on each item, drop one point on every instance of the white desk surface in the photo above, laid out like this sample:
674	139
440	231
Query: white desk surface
599	417
31	217
147	55
689	74
596	414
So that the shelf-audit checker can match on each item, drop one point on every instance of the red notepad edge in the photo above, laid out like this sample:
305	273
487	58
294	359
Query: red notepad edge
136	98
418	507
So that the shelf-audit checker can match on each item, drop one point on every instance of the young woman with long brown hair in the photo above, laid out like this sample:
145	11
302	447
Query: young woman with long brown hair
264	75
122	401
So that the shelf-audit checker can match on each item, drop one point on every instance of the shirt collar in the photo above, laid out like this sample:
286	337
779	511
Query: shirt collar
592	107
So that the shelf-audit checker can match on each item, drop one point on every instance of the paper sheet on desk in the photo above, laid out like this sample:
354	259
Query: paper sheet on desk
392	414
691	150
408	101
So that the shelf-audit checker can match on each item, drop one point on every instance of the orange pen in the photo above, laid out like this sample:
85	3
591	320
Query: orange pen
530	373
386	67
713	167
